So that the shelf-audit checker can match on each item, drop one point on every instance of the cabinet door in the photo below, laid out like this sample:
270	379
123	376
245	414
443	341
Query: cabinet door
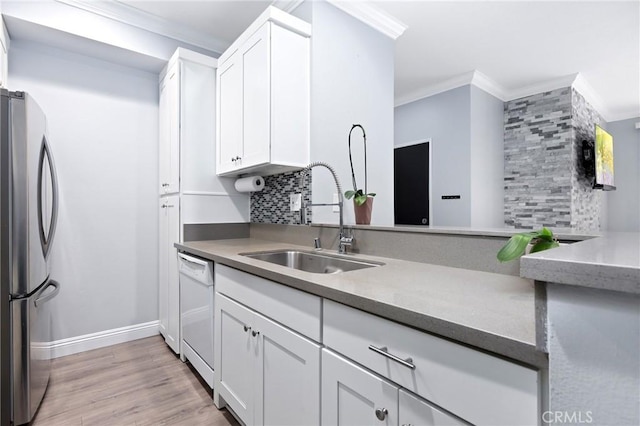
287	377
163	271
352	396
170	218
256	98
169	137
414	411
229	111
237	354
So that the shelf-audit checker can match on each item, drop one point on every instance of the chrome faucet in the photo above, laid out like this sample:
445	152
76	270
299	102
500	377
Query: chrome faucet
344	239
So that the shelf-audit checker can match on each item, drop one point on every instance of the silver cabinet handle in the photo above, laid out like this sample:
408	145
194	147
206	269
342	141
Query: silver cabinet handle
254	333
384	352
246	328
164	185
165	206
381	413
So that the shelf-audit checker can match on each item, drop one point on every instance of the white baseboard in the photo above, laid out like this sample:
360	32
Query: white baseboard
101	339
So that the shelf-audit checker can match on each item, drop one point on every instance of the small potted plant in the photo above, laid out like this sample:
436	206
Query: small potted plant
362	200
517	244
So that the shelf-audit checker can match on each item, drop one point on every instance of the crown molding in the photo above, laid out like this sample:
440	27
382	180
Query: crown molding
373	16
134	17
483	82
541	87
434	89
591	96
480	80
287	5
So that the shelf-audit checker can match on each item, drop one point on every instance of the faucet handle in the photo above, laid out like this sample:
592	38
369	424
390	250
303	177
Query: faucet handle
347	240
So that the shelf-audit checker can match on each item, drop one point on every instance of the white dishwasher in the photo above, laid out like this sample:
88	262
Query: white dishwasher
196	314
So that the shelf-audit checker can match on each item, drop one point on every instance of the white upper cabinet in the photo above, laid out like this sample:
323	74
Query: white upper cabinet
263	98
187	124
4	58
169	149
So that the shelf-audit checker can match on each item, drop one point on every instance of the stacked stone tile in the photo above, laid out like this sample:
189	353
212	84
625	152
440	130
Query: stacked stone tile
543	177
271	205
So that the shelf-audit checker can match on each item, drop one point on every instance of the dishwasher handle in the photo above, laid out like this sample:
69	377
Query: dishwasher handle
199	269
193	259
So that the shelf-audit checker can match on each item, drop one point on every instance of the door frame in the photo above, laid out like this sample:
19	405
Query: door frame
430	150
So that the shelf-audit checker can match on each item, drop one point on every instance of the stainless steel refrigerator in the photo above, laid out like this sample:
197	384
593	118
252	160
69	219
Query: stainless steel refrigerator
28	216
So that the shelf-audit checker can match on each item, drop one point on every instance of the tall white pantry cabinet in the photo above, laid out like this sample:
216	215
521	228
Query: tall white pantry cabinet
189	190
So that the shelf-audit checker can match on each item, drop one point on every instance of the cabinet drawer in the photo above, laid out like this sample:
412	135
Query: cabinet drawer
297	310
478	387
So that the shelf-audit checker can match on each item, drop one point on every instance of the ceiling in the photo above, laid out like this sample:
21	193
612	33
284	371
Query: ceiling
517	47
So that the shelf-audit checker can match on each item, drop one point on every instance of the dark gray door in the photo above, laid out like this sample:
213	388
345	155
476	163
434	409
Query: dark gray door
411	184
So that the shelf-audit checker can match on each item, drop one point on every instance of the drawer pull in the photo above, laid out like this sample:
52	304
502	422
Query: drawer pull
381	413
383	351
254	333
246	328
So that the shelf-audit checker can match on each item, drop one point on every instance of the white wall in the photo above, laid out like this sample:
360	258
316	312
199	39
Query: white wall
445	118
594	362
487	160
103	126
351	82
623	204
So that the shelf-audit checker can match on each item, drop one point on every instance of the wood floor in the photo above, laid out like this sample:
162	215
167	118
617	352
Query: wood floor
136	383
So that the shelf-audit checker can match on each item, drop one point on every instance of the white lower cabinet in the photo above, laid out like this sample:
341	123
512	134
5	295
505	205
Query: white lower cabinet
353	396
268	374
475	386
168	278
414	411
270	339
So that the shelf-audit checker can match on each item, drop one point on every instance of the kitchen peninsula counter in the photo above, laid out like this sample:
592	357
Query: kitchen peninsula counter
488	311
608	262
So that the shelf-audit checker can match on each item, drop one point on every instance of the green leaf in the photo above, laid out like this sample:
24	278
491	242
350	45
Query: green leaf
360	199
544	245
515	247
545	234
349	194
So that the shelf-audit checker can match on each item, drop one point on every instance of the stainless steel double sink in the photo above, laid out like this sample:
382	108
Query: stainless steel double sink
315	262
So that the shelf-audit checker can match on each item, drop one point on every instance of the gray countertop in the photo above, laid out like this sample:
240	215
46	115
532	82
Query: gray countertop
609	262
489	311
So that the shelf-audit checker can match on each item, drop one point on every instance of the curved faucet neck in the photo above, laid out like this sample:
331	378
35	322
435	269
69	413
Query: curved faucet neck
306	171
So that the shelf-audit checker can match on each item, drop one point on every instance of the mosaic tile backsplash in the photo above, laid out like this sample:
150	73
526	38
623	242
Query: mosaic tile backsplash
271	205
543	179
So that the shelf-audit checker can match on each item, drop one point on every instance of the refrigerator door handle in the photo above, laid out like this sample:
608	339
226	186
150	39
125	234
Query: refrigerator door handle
42	299
46	240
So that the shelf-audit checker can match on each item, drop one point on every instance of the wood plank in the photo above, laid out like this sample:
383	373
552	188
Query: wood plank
137	383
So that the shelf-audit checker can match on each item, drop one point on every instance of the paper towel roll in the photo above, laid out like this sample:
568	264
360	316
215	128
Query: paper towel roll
250	184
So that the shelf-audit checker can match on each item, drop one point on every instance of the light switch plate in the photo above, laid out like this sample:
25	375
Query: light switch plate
336	209
295	202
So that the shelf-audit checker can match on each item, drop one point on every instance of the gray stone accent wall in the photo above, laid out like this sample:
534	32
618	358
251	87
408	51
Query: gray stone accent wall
271	205
585	202
537	160
543	177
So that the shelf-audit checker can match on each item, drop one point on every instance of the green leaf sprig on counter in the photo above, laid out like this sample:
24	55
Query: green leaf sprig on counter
517	244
